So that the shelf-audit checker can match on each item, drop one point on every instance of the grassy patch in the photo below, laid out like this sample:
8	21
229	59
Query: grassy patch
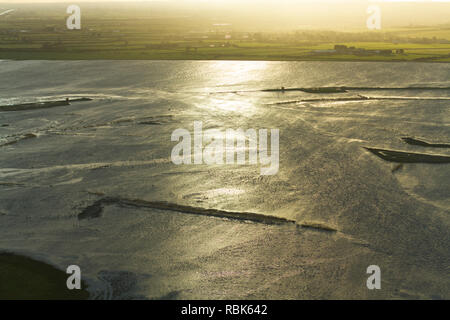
23	278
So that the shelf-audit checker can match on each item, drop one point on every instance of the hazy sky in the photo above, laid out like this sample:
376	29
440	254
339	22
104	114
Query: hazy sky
298	13
235	1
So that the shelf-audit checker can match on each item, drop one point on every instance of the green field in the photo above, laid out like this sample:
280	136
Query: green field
278	53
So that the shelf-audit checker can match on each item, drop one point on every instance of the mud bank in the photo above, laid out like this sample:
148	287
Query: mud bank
41	105
417	142
408	157
95	210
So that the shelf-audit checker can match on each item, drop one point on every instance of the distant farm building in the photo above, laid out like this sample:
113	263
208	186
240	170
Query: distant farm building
343	49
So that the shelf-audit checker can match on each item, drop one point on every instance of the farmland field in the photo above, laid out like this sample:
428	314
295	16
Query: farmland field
42	34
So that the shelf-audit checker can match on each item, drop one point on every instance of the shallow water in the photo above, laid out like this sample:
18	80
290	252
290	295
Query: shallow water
119	146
